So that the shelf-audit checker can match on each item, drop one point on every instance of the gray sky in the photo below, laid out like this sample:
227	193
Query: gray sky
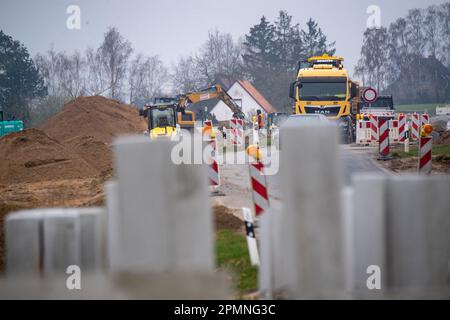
173	28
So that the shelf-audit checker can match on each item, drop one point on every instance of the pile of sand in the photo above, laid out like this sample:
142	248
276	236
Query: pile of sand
97	117
75	143
31	156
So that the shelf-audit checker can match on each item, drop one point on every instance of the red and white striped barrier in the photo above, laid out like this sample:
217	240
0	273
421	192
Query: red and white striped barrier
383	143
259	187
393	131
363	132
424	119
374	128
251	239
401	127
425	146
213	167
415	126
236	132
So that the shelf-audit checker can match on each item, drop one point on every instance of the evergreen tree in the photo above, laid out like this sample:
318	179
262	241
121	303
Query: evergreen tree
286	34
20	81
314	40
259	45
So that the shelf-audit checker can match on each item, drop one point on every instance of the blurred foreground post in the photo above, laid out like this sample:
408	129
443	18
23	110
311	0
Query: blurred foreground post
161	224
402	226
44	242
310	245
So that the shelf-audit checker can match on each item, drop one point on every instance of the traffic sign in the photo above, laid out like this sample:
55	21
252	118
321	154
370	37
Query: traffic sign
370	95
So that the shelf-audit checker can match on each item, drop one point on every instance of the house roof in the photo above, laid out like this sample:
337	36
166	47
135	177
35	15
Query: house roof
252	91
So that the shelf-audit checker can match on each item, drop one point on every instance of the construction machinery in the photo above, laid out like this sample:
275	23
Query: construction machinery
9	126
167	116
323	86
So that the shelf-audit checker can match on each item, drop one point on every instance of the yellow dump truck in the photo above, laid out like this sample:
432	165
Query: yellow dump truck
323	86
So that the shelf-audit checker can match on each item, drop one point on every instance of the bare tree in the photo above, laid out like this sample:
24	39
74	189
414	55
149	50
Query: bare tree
186	76
147	76
72	74
444	34
48	66
108	65
96	80
431	30
414	32
63	74
220	55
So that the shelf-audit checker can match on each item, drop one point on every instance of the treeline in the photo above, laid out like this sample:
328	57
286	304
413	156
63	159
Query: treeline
267	55
110	70
395	57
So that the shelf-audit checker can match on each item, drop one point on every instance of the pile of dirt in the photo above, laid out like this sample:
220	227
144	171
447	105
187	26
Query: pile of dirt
224	219
96	153
96	117
444	138
31	156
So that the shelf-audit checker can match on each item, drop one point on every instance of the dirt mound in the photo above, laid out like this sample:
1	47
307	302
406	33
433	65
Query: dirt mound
224	219
96	117
96	153
31	155
444	138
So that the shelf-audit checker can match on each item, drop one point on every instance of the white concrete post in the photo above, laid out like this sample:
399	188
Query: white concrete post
266	271
47	241
348	219
93	239
418	223
23	243
311	246
368	231
164	220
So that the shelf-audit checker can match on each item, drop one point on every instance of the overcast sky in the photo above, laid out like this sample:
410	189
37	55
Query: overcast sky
173	28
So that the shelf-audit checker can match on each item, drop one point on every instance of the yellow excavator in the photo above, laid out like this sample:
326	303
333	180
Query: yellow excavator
166	116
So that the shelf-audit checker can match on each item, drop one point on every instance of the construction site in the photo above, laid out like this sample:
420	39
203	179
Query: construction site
221	193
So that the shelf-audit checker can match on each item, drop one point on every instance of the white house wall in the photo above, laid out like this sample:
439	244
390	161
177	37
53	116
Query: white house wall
249	105
222	112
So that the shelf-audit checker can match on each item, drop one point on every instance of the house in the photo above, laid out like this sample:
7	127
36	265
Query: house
243	93
424	80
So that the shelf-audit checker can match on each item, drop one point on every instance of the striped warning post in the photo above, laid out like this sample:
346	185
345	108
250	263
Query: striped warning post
374	128
259	187
237	131
213	167
251	239
424	119
401	127
383	143
415	126
425	146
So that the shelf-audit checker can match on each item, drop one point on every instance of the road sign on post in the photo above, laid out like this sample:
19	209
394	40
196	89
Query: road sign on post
370	95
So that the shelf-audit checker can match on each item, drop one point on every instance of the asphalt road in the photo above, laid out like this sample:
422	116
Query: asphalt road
235	181
354	160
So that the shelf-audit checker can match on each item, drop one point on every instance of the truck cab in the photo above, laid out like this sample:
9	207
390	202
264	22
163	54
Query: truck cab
323	87
162	120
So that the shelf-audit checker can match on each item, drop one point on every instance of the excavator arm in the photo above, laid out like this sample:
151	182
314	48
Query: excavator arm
212	92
